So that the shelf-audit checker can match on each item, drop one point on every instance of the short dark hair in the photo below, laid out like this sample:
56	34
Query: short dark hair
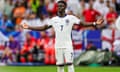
62	1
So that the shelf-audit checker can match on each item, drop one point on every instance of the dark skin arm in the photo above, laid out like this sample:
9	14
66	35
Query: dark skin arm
45	27
39	28
86	24
98	22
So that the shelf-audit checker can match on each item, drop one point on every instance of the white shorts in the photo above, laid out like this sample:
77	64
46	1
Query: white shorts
63	56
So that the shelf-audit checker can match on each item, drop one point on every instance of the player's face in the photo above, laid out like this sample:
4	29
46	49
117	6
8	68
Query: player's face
61	7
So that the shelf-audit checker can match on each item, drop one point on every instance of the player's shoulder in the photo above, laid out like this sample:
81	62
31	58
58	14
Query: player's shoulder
67	16
71	16
54	17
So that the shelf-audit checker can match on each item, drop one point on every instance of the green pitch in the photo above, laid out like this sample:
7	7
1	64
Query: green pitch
53	69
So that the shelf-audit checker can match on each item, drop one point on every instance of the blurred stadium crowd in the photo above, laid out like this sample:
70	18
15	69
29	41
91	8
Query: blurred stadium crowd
20	45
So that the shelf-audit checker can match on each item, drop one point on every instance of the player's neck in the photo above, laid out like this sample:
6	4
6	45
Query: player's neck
61	14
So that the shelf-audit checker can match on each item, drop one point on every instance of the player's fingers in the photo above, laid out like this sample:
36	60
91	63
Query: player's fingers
101	20
25	26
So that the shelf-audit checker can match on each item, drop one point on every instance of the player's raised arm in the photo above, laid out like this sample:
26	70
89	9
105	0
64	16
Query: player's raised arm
38	28
98	22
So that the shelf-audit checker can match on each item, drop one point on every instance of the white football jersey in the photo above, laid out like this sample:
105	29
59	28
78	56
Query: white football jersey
63	27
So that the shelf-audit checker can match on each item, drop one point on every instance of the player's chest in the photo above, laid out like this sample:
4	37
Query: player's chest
62	24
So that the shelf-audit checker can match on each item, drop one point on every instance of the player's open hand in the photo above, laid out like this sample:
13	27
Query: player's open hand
99	21
25	26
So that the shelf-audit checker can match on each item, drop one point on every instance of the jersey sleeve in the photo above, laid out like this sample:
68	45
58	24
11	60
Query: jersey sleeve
75	20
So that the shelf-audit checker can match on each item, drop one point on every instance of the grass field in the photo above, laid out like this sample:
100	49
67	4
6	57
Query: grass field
53	69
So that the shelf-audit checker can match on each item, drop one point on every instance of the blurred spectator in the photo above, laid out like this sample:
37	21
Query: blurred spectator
35	4
8	8
42	40
41	9
76	37
52	7
12	49
41	44
109	3
27	47
43	19
73	5
47	1
117	5
107	38
82	6
28	9
25	3
50	49
18	12
20	34
31	19
77	40
2	4
3	38
100	6
90	15
26	20
37	55
111	17
38	50
6	24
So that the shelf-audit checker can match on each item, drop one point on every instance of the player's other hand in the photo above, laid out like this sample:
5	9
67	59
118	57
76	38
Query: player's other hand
99	21
25	26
